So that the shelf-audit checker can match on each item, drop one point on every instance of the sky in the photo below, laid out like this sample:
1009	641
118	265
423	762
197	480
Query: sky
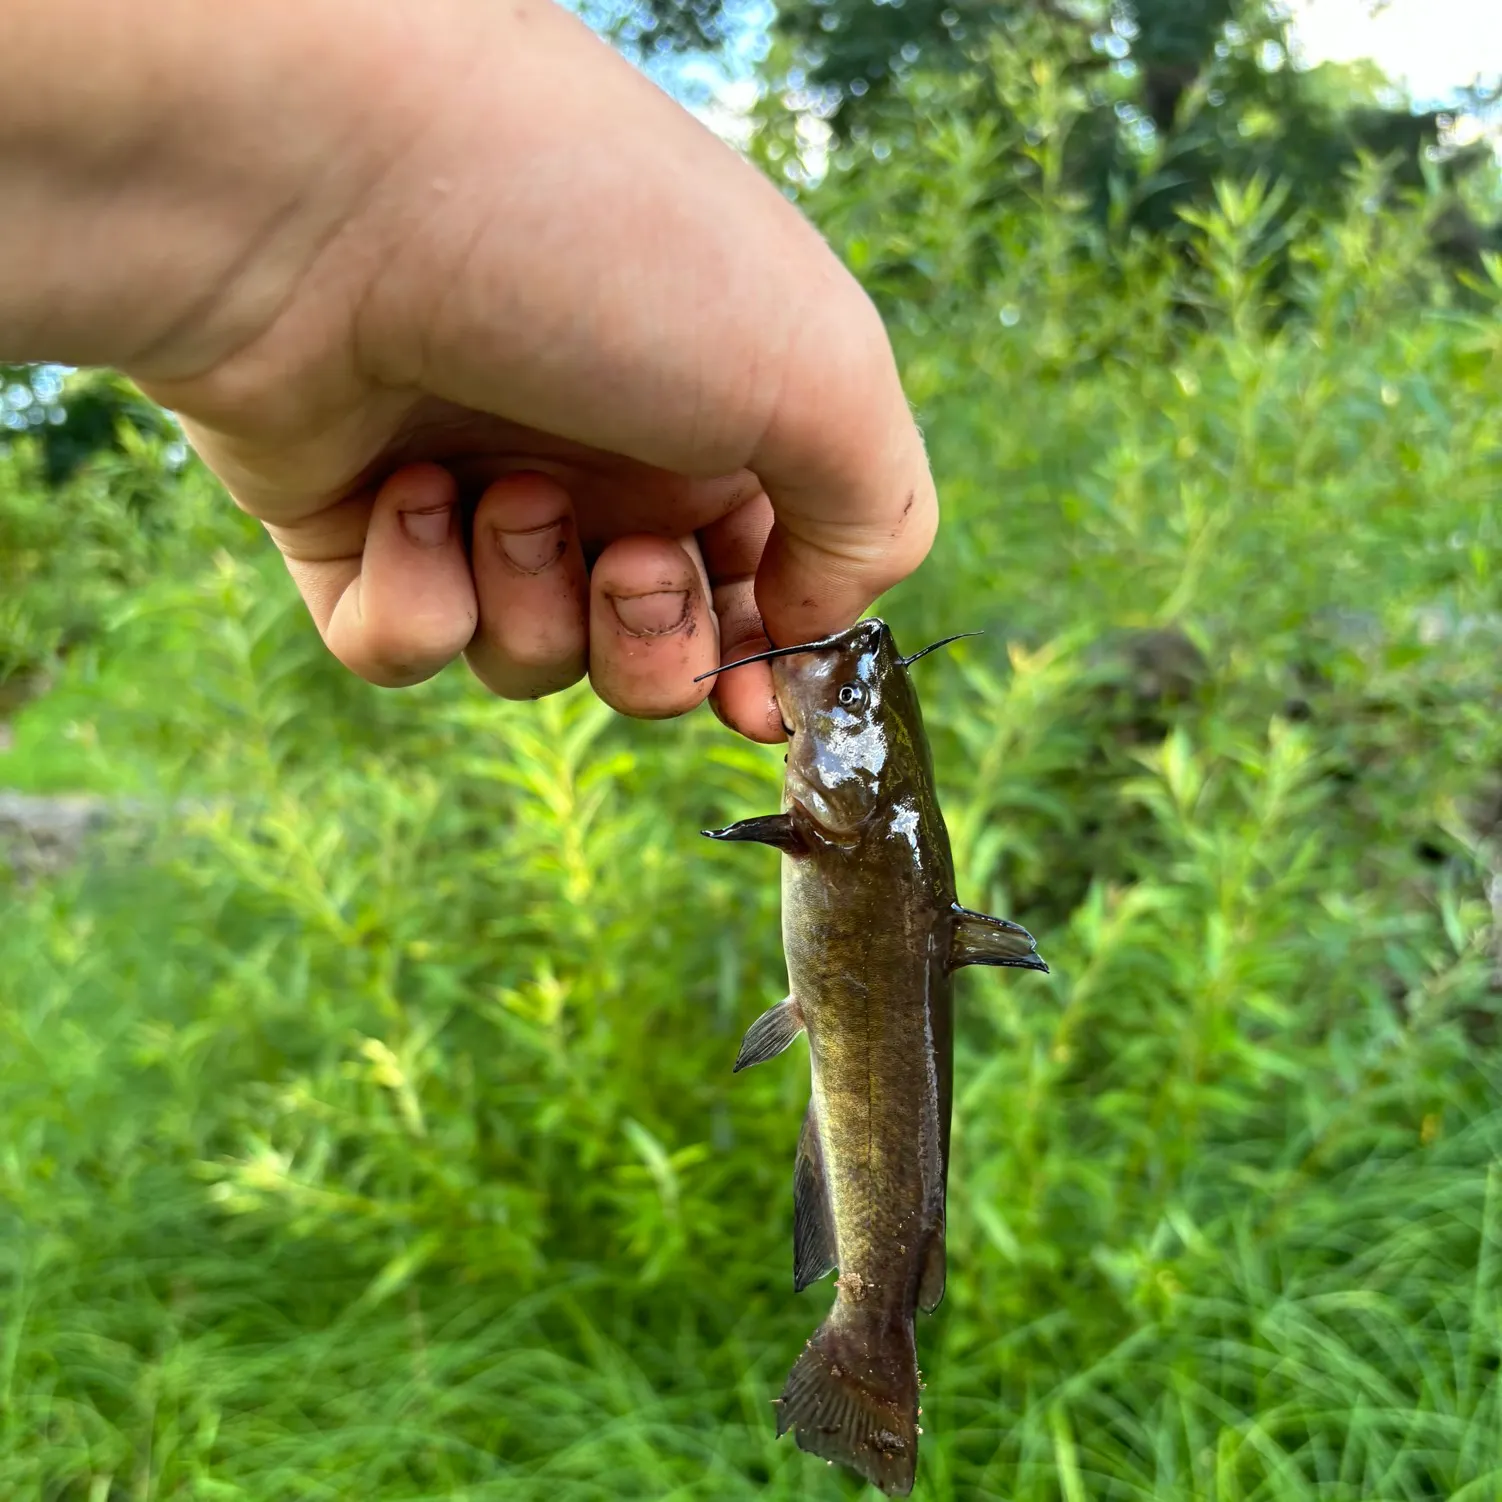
1431	47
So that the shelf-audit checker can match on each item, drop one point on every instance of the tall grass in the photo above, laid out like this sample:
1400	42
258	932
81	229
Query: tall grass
369	1132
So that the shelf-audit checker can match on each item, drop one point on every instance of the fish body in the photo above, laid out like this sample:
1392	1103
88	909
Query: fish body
872	934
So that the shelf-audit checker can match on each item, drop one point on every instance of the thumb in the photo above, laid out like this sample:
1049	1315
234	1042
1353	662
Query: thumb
844	466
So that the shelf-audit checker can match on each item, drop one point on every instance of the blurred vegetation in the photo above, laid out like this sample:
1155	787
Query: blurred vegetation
1163	99
91	484
370	1133
1168	95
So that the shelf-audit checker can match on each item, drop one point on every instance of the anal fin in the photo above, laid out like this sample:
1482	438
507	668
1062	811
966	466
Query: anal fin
776	830
982	940
814	1252
772	1032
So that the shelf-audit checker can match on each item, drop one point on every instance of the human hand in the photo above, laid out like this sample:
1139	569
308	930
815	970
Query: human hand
511	356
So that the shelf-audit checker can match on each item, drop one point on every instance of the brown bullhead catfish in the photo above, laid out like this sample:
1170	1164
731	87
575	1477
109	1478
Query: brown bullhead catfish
873	936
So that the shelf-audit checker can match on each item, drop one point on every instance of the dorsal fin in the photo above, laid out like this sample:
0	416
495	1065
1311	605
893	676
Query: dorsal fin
814	1252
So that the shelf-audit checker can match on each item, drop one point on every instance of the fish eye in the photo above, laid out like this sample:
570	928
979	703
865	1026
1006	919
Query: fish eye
851	695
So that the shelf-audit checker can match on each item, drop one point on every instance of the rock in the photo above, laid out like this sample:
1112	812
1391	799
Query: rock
40	836
1142	676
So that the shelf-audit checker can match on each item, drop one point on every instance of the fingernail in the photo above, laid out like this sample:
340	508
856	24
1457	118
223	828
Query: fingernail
428	529
531	552
657	614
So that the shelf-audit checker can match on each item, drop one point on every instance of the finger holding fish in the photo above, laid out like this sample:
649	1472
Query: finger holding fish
651	629
531	583
732	550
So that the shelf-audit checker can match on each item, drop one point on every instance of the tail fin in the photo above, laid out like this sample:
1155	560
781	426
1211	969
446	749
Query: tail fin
852	1396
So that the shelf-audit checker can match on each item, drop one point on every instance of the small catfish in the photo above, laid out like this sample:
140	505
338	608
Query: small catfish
873	935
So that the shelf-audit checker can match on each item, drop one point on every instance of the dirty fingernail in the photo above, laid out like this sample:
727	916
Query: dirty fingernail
428	529
657	614
533	550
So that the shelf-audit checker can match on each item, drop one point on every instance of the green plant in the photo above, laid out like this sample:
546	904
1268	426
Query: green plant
370	1133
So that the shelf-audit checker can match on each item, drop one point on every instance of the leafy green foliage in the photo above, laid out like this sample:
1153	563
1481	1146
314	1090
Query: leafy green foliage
1161	99
74	415
371	1133
95	498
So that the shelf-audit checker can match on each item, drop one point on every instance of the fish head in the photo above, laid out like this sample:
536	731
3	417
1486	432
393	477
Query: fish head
855	733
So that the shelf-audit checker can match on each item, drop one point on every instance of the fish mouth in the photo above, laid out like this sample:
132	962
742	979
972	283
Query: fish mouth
785	711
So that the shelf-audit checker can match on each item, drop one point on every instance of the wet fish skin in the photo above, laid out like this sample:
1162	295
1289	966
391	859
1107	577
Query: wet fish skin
872	934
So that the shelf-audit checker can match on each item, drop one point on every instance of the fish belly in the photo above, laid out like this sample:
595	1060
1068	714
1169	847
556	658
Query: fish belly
864	983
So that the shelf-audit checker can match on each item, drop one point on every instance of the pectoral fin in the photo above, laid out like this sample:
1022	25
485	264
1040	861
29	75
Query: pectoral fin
769	829
769	1034
813	1219
983	940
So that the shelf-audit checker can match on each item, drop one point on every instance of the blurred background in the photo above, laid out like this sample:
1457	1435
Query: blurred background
366	1121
